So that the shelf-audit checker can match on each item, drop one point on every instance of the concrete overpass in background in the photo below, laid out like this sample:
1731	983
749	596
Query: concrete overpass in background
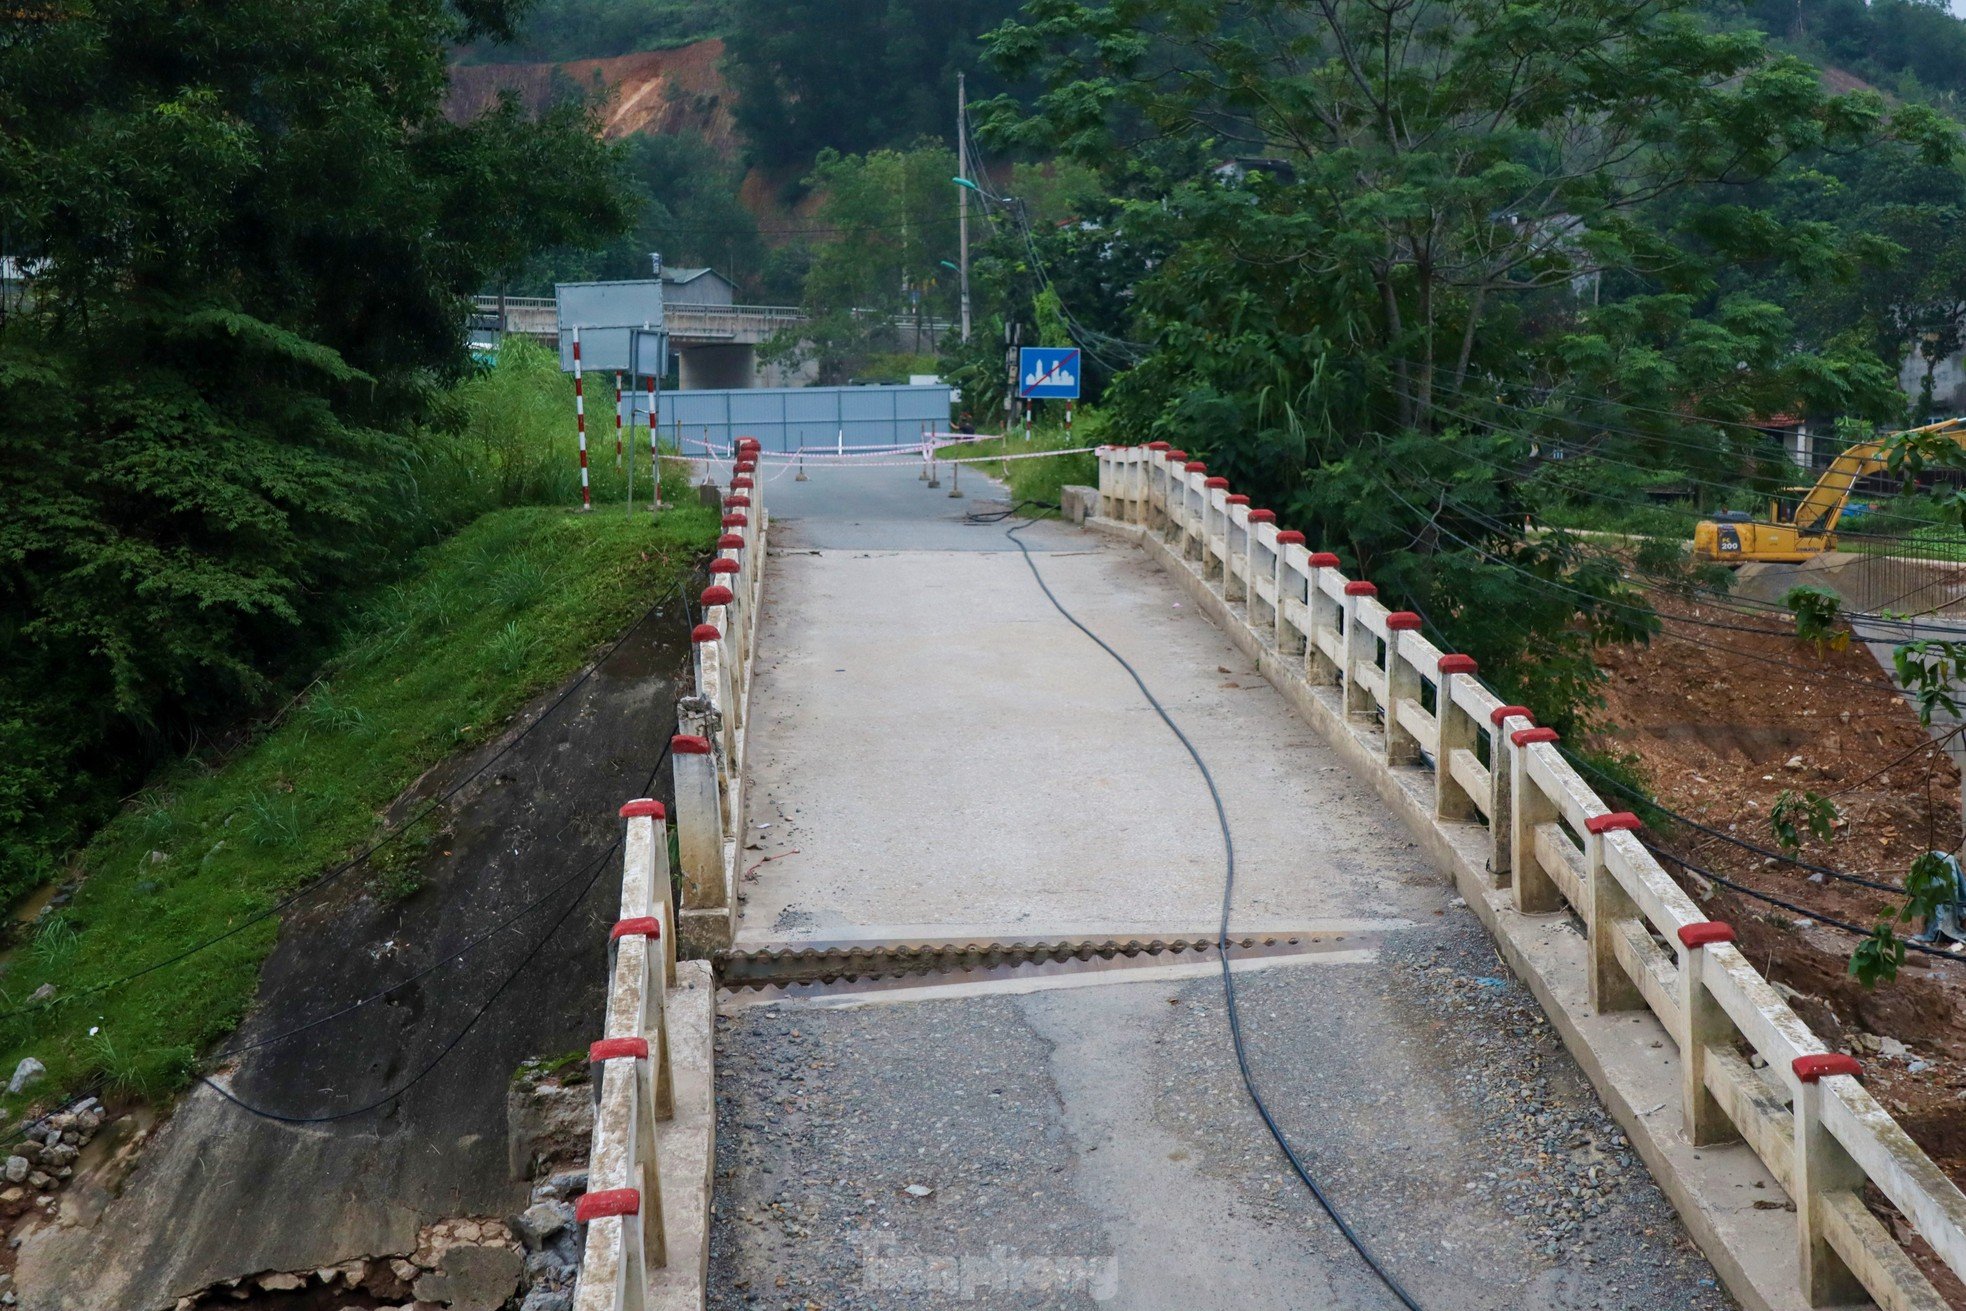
716	346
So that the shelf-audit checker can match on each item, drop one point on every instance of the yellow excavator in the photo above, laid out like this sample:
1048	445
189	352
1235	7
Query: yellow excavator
1801	522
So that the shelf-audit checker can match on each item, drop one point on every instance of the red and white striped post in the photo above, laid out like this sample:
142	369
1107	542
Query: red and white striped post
617	418
1027	419
655	454
1068	423
580	423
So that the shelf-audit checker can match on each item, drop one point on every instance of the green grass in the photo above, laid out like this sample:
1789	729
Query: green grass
509	606
1040	480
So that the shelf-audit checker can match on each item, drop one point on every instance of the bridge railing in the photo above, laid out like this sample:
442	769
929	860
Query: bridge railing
1751	1068
626	1239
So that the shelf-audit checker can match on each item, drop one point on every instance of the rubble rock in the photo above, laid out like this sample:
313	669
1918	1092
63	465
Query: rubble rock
17	1168
278	1282
29	1071
538	1223
472	1279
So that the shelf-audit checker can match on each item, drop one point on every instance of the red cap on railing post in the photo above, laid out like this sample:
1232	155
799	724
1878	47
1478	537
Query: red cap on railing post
1523	737
1194	466
1824	1064
607	1202
639	926
1158	446
741	483
1616	822
1402	621
724	566
1359	587
1174	457
705	633
740	501
616	1049
1233	498
1457	664
717	594
1262	516
1290	537
1706	933
1499	713
1323	560
641	806
745	466
1217	481
737	521
688	744
730	542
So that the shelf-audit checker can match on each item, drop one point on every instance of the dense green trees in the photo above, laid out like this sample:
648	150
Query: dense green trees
555	30
685	198
249	228
1411	210
852	75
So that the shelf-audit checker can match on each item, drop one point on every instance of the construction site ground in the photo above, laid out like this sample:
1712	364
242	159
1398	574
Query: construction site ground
1720	723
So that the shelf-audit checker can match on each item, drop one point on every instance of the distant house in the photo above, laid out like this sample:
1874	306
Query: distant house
697	287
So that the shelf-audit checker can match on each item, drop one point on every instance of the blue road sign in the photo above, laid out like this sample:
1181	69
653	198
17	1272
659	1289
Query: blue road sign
1048	373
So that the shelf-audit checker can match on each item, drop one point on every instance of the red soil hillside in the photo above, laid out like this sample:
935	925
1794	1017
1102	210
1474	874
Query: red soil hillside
656	91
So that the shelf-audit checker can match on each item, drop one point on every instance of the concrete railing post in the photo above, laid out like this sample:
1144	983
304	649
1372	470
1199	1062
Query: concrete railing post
1153	512
1140	463
648	916
1611	988
1503	721
1214	528
1458	732
1194	510
700	837
1174	501
1326	616
1402	685
713	684
1704	1025
1262	614
1536	893
1290	639
1360	647
1235	584
1822	1168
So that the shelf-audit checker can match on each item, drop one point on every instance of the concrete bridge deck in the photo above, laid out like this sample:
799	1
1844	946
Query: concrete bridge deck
936	753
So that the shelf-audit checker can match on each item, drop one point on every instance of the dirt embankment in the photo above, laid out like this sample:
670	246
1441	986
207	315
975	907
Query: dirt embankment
1722	722
655	91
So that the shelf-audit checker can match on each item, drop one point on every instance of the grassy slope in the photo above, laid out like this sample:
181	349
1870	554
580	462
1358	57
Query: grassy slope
511	605
1039	480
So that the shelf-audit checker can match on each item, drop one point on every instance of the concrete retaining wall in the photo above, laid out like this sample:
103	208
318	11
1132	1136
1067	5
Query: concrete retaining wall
1730	1098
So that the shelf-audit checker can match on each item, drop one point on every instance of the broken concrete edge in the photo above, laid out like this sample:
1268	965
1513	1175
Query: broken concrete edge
1752	1251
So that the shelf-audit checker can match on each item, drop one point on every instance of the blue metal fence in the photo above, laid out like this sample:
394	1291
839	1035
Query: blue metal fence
786	418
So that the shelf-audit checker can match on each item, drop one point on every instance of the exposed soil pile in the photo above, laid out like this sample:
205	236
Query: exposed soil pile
655	91
1721	729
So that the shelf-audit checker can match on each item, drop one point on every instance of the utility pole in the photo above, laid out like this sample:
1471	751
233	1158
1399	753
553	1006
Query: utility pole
962	193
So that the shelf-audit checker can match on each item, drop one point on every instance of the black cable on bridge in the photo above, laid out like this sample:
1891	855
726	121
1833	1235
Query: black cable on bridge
1297	1162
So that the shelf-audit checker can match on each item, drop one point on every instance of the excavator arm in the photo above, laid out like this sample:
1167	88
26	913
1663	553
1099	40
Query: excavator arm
1738	538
